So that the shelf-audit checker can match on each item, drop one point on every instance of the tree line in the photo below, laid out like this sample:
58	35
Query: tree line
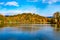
29	18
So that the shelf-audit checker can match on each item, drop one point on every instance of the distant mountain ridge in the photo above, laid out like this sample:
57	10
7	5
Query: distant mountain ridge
49	17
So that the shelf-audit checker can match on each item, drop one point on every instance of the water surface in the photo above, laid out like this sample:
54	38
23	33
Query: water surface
29	32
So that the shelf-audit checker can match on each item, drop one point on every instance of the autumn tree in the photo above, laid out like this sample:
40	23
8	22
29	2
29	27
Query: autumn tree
56	17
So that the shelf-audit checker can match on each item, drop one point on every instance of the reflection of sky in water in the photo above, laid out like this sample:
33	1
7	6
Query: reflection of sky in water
44	33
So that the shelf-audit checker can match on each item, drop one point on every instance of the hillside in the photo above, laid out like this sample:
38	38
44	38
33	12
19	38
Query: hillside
24	18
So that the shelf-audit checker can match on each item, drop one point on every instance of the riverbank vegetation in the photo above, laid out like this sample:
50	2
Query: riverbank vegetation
29	18
56	18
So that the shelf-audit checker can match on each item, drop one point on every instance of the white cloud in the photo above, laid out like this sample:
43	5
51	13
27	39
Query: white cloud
12	3
30	9
32	0
50	10
1	3
50	1
25	9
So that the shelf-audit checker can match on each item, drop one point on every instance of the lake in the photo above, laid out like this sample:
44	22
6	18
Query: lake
29	32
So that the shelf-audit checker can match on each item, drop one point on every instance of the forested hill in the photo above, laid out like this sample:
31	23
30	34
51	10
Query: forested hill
24	18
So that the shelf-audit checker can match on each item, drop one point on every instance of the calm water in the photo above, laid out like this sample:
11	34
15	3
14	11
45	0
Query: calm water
29	32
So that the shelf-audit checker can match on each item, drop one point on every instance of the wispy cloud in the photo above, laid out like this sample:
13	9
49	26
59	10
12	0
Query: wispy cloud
32	0
20	10
1	3
12	3
50	10
50	1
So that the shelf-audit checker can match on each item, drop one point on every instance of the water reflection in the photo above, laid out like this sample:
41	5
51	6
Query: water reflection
26	27
56	27
27	32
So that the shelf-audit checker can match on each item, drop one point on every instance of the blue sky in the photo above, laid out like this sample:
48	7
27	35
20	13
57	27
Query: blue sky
41	7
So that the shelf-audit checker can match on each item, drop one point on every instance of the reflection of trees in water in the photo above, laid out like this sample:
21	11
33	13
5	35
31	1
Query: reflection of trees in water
23	27
29	27
1	25
9	25
12	25
56	27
